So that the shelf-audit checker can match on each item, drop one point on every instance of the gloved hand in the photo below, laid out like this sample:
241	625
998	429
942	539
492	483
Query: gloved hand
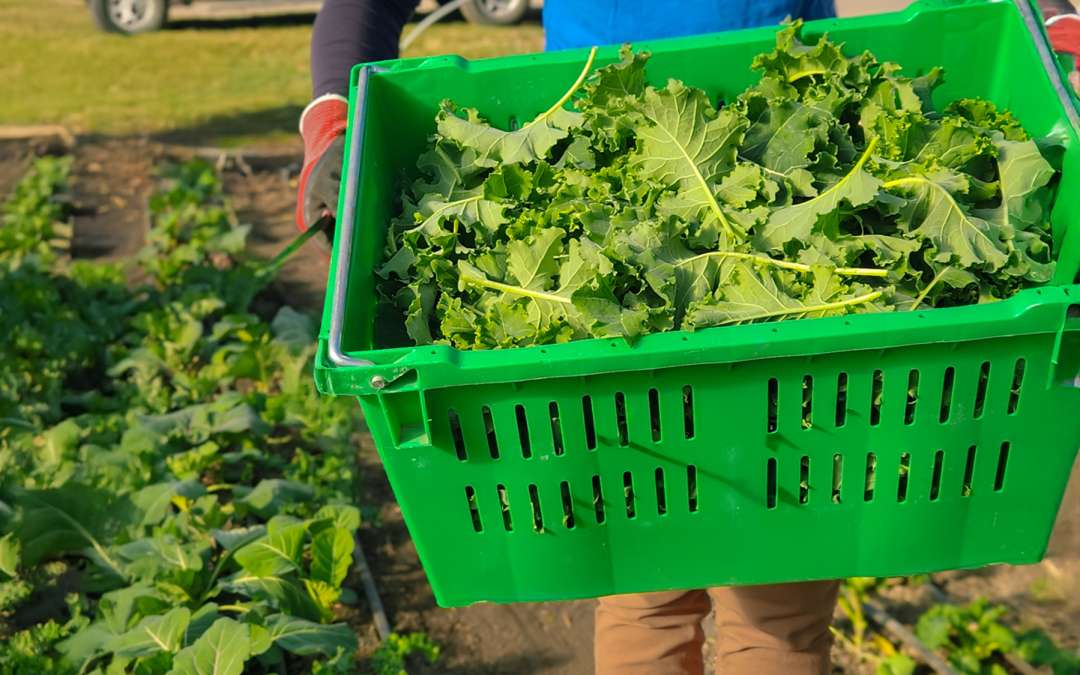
322	126
1064	32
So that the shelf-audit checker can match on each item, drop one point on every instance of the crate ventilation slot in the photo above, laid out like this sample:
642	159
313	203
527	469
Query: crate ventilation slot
874	471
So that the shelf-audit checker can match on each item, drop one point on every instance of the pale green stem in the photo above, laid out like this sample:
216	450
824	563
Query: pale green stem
515	290
798	267
926	291
865	156
445	207
800	74
566	97
903	182
234	608
763	167
824	307
854	170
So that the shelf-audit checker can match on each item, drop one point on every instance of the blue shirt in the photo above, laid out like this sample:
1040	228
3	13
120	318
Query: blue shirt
583	23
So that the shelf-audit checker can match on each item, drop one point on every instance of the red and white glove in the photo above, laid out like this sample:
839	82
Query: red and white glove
1064	33
322	126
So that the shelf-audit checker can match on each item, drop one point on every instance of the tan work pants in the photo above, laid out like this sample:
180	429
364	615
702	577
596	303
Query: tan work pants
781	629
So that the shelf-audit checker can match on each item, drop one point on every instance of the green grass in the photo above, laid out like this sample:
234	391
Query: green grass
225	83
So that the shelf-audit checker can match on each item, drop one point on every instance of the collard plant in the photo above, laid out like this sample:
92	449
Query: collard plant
174	496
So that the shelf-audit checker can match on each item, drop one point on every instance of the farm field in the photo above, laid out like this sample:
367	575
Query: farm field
194	411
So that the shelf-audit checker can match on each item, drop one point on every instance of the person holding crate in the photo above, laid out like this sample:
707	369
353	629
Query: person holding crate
780	629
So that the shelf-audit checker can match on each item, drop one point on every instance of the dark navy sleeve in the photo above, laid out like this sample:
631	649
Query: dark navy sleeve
818	9
348	32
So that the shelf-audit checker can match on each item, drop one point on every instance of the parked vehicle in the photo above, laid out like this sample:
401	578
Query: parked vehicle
142	16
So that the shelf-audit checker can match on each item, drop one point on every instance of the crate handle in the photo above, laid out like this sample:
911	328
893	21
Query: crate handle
346	225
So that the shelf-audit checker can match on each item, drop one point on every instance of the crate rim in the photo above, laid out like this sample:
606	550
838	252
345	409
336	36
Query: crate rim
1030	312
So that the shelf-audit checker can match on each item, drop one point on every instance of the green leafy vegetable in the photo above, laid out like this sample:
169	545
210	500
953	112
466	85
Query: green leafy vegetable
831	186
163	453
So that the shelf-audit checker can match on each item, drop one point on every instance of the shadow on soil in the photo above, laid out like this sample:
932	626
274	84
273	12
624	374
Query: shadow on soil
279	21
266	122
527	662
289	20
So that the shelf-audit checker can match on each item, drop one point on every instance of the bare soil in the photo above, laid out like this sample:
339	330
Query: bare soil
111	184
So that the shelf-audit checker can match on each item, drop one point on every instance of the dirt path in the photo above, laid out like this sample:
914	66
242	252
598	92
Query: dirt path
112	180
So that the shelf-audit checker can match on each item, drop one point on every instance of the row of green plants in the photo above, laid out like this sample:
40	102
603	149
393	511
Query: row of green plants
974	638
174	495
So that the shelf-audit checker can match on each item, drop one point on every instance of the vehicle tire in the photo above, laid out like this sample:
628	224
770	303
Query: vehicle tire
495	12
129	16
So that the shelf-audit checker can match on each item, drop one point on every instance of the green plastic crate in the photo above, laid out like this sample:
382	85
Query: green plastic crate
881	444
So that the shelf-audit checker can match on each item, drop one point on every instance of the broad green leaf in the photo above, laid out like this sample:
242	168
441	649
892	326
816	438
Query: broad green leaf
509	323
985	115
797	222
148	557
792	61
68	519
9	554
1024	173
345	517
292	328
153	501
200	622
447	169
470	208
892	94
86	643
933	629
163	632
612	96
956	236
897	664
222	650
270	495
582	263
532	141
418	315
753	295
331	555
59	444
604	313
684	143
615	84
950	142
236	419
237	537
747	183
276	553
307	638
323	596
782	135
533	263
280	592
261	640
122	606
749	295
